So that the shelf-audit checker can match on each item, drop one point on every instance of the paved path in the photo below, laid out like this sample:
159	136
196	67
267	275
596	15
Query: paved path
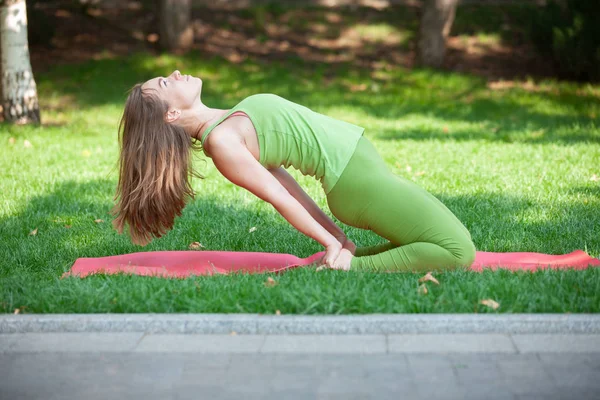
101	365
244	356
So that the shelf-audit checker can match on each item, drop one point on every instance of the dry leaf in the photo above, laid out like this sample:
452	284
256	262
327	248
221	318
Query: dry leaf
18	310
270	282
195	245
98	221
26	143
445	129
252	229
33	232
422	289
12	140
277	312
490	303
429	277
68	226
594	178
86	153
358	88
419	173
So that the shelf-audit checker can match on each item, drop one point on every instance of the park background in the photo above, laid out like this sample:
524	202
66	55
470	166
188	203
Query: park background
504	131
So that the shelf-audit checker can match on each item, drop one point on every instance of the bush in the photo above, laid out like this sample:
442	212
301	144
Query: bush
568	32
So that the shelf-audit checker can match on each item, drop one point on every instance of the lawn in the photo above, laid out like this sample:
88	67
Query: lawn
517	162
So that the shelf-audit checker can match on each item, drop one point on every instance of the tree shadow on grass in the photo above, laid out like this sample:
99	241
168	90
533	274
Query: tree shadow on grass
497	223
32	265
66	229
502	223
593	190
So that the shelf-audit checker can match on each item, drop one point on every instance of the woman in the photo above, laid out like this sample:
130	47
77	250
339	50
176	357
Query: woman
251	144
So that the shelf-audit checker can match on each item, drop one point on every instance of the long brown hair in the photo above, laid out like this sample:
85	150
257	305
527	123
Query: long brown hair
155	168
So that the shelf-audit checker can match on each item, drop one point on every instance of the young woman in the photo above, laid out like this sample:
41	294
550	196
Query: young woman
251	144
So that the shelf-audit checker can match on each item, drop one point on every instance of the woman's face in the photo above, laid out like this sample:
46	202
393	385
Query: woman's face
179	91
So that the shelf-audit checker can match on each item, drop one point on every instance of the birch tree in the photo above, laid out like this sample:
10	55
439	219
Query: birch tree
18	89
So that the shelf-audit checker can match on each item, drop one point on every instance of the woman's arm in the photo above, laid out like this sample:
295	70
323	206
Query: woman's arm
308	203
236	163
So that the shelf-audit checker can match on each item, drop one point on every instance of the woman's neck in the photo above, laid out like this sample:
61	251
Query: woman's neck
201	118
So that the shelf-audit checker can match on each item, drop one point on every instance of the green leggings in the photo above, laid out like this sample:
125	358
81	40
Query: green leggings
423	234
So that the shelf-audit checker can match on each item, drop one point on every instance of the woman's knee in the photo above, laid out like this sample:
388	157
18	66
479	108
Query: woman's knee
465	253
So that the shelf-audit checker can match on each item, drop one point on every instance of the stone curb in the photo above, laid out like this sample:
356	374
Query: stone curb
304	324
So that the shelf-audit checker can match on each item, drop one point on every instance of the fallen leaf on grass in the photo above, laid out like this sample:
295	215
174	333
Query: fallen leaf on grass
422	289
429	277
18	310
594	178
445	129
270	282
252	229
358	88
419	173
33	232
26	143
490	303
68	226
12	140
195	245
98	221
86	153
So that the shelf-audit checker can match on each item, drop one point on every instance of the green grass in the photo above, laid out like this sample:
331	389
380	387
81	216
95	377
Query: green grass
514	164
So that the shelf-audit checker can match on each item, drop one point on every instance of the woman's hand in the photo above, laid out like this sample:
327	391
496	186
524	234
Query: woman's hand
343	261
331	254
343	258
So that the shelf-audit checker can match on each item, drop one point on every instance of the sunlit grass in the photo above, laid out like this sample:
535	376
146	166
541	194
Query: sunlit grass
515	161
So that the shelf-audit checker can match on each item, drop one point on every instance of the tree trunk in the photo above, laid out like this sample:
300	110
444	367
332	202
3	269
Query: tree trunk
436	20
18	90
175	29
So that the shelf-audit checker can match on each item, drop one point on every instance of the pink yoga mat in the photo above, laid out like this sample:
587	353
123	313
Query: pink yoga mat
181	264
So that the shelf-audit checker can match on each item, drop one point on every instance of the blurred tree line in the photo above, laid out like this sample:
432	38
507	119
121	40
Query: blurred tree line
564	32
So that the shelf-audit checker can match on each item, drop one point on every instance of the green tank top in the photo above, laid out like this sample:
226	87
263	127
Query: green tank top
291	134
